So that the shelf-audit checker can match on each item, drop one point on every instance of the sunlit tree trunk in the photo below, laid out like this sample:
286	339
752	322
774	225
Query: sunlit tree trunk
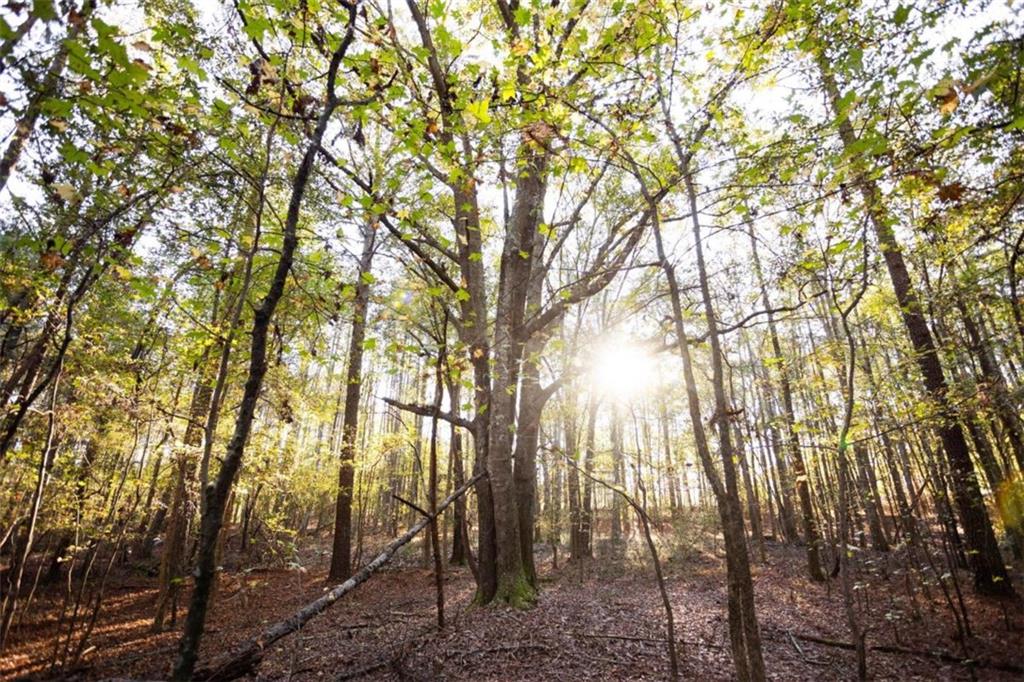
800	477
174	560
743	628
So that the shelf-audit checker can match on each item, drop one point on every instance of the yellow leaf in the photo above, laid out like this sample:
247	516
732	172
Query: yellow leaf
479	110
946	96
65	191
949	102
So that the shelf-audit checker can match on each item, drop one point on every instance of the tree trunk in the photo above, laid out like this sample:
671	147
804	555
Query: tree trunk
786	482
984	557
868	488
341	555
587	503
743	628
460	548
618	479
48	89
218	493
174	560
432	476
15	573
573	483
513	585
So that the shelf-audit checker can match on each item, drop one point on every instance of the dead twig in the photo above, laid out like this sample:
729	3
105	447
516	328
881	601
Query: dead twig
652	640
905	651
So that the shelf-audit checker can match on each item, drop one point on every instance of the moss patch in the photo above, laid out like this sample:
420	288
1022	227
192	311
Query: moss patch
517	593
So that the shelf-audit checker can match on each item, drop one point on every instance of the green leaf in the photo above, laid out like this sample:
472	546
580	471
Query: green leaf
44	9
839	247
255	27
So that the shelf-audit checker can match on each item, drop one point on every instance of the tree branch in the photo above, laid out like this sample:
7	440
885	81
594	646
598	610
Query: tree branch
430	411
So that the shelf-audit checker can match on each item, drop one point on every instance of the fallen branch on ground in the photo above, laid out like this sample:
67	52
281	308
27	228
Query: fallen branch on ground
800	650
249	654
507	648
653	640
893	649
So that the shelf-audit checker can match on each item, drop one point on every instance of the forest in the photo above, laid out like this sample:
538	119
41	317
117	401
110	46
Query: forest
511	339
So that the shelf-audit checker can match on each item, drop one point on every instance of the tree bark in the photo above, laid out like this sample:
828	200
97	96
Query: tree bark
800	481
174	560
51	82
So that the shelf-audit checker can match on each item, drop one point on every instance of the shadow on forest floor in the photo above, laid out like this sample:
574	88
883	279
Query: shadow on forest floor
600	622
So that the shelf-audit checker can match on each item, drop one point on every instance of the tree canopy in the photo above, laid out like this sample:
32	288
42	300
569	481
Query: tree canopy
282	273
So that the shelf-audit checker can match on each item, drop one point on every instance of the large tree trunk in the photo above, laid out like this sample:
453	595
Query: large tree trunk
531	404
513	585
527	442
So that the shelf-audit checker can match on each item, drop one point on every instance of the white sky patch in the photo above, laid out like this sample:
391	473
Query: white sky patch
621	369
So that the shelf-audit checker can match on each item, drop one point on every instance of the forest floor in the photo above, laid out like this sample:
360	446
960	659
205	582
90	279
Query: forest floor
606	623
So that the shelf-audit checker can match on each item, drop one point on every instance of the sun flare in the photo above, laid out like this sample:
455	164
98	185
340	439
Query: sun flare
622	370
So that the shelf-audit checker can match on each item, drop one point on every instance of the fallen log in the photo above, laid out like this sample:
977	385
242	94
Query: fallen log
244	658
893	649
